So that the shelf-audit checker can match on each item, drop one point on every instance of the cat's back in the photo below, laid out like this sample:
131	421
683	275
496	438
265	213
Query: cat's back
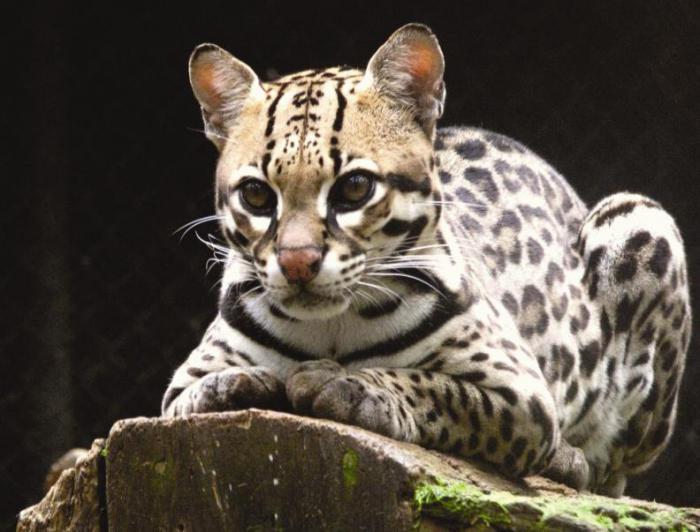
504	198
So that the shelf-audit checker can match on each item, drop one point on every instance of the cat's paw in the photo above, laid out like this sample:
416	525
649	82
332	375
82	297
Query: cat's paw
237	389
569	466
325	389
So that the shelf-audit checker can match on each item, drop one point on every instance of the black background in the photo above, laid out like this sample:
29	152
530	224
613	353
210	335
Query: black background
101	302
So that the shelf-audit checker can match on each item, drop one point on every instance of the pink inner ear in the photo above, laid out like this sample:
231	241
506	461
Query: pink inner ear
204	79
424	65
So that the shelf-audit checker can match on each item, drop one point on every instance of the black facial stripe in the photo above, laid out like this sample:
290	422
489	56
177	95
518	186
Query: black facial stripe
269	235
240	239
414	232
405	184
339	113
396	227
337	160
236	316
443	310
334	229
265	163
271	110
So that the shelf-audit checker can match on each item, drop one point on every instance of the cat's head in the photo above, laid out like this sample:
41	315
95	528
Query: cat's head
325	177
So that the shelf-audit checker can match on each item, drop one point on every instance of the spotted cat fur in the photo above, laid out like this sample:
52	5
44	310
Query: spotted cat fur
471	303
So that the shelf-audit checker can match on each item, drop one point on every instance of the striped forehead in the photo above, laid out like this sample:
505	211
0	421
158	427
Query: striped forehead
304	113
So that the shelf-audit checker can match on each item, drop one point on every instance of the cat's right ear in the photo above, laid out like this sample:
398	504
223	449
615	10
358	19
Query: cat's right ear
222	84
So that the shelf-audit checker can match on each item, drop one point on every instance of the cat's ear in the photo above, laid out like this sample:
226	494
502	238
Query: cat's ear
408	68
222	84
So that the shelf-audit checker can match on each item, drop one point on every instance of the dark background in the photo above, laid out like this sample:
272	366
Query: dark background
101	302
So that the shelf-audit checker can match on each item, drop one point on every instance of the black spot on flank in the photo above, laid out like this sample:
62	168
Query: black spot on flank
637	241
270	145
197	373
471	149
445	177
471	201
626	270
507	394
474	421
590	355
223	346
482	178
508	220
471	376
535	252
511	304
591	398
571	392
396	227
491	445
658	263
539	416
486	403
518	447
625	312
469	223
506	428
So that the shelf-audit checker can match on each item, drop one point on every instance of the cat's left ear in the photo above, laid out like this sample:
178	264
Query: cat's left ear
409	68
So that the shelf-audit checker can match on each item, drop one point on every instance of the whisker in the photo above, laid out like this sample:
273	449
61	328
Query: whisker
384	289
186	228
398	274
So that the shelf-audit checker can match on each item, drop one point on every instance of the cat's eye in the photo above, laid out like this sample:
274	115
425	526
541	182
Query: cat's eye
352	191
257	197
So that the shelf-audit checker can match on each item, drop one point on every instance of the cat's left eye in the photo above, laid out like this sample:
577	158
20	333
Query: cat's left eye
352	191
257	197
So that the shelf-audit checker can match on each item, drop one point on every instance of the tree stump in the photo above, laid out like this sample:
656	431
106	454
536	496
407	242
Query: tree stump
263	470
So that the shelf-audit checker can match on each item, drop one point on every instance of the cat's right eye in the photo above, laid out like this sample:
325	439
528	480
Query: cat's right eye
257	197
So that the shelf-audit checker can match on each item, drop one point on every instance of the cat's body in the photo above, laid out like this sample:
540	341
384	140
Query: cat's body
448	290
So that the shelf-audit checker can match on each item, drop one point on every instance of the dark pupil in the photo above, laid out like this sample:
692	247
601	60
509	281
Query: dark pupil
355	188
256	195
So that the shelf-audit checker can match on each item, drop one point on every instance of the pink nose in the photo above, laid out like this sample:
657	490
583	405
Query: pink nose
300	265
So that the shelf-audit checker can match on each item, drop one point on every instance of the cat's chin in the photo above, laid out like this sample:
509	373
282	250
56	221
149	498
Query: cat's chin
309	307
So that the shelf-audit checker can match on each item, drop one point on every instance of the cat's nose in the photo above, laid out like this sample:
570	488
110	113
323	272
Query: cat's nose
300	265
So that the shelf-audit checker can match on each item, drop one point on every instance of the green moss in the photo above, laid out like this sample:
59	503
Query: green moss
104	452
466	505
161	475
350	463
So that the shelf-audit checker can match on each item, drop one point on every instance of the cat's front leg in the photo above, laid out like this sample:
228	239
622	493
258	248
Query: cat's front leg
473	404
217	377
